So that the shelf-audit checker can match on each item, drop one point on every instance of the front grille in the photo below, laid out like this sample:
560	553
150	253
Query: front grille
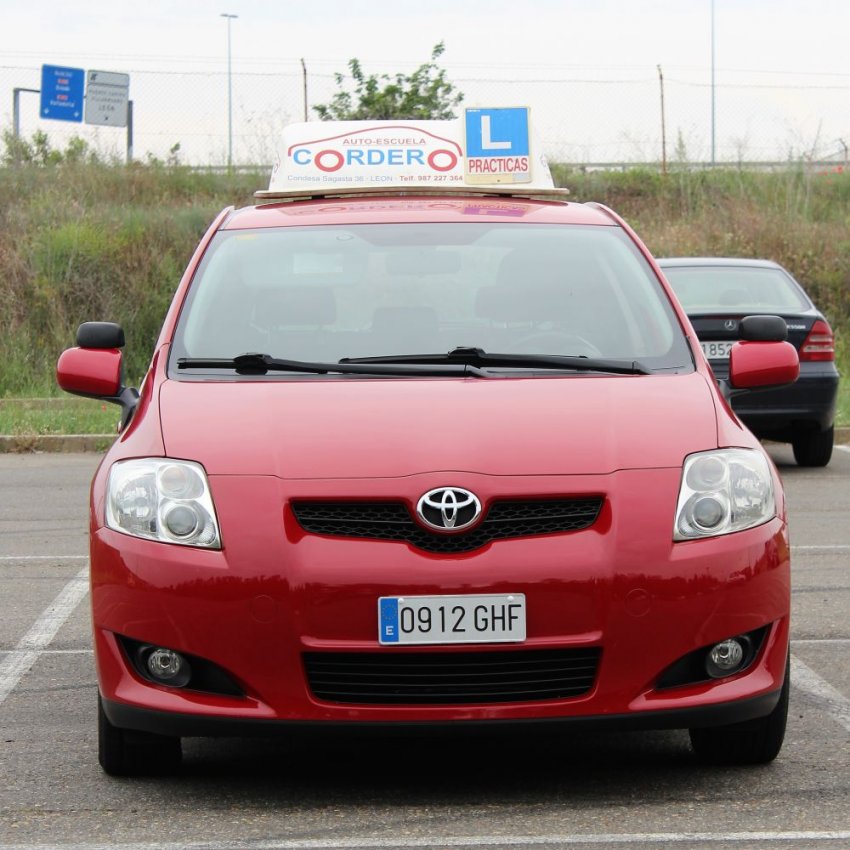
392	521
450	678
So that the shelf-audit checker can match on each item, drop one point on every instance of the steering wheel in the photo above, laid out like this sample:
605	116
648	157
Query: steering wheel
555	342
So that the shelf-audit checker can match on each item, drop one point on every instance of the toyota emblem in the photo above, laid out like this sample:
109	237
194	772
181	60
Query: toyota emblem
448	509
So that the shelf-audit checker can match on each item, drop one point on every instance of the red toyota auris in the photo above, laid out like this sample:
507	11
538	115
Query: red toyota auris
433	460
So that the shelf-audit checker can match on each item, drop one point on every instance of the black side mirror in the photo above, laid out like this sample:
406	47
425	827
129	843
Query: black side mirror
100	335
763	329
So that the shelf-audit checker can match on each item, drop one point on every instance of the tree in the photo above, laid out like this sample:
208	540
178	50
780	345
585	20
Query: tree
424	94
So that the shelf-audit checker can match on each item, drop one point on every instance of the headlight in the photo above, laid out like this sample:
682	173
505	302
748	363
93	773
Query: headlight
723	491
160	499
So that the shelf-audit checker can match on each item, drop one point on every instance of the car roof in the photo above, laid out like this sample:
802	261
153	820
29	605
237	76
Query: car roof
671	262
384	209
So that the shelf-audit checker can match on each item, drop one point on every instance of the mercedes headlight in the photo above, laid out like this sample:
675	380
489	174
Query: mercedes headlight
165	500
723	491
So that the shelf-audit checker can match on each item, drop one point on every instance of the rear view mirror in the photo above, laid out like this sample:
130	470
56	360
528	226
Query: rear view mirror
422	260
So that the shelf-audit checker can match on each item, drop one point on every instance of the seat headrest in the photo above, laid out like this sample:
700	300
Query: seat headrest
297	305
504	304
403	319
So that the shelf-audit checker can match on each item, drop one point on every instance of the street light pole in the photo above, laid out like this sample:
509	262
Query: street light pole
229	94
713	104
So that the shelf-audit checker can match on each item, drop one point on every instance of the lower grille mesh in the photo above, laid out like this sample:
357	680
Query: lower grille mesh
450	678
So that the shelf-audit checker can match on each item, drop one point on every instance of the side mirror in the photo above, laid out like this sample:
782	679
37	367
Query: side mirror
91	372
762	364
94	368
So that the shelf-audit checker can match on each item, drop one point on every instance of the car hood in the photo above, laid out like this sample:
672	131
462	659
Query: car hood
377	428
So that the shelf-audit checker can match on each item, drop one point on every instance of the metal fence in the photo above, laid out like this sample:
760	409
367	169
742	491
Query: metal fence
586	118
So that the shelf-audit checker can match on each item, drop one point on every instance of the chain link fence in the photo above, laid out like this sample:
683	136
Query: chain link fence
584	118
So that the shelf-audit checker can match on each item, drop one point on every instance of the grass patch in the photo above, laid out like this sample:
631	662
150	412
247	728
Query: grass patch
28	417
85	240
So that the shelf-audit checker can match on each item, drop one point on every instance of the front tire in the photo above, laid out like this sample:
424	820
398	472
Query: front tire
752	742
813	448
125	752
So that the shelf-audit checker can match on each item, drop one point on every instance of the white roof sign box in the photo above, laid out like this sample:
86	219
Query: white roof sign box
486	150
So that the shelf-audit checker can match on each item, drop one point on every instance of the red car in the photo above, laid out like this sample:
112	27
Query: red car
433	459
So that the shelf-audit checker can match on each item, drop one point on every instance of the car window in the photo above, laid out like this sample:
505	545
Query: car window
324	293
735	289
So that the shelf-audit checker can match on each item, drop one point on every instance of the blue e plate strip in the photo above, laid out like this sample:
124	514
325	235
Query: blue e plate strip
388	620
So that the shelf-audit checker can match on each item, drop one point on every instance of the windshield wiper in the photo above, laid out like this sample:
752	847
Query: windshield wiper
478	357
261	364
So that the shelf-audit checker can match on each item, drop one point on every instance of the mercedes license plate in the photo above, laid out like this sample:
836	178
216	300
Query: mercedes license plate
477	618
717	350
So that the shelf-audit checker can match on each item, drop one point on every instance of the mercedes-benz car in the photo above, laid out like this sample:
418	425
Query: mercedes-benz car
717	292
432	456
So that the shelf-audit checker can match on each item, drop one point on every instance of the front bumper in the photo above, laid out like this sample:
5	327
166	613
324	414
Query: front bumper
276	592
181	725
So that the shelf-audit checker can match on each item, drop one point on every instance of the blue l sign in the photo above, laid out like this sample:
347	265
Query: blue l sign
497	132
62	93
497	146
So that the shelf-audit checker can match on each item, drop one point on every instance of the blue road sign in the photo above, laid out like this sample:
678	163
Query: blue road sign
497	132
62	93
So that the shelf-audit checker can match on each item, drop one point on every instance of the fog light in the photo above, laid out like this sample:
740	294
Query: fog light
726	657
168	667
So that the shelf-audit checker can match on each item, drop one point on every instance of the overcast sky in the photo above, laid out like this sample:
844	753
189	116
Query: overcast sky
775	35
772	43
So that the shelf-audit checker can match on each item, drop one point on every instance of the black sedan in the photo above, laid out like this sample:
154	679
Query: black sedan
716	294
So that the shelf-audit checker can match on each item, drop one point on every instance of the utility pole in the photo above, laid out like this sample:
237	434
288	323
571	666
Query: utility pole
304	74
229	94
663	125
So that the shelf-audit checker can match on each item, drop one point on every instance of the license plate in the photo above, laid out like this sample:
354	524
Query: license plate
717	350
476	618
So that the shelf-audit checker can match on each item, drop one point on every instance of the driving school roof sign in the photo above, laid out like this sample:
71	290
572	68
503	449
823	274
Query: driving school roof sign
487	150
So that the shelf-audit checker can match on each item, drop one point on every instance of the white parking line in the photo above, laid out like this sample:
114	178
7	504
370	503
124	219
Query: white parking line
592	839
829	699
29	647
826	547
842	448
44	557
41	652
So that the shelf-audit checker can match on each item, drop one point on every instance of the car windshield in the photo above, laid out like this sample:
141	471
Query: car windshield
324	294
735	289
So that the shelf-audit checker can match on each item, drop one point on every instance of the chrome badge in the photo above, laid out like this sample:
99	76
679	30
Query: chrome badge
448	509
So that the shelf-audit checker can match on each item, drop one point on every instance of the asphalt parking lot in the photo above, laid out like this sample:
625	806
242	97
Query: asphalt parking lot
637	790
